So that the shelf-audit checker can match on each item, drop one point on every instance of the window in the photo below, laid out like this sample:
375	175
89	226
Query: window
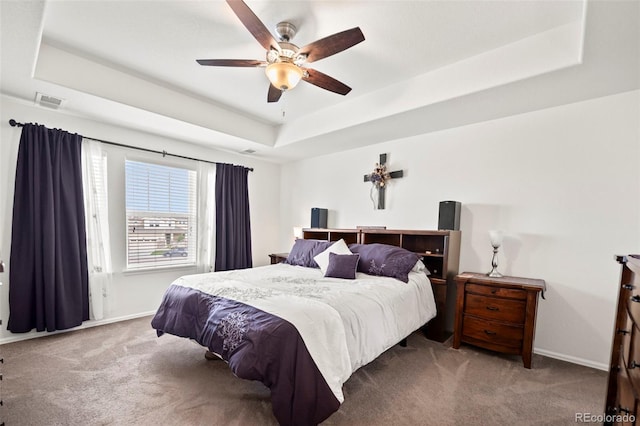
161	215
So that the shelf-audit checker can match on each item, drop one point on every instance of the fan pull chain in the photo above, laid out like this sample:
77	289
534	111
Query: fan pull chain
283	107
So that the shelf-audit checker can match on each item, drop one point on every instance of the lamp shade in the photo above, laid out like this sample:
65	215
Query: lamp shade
284	75
496	237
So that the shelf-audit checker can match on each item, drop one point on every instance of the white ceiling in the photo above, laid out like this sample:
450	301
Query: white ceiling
424	66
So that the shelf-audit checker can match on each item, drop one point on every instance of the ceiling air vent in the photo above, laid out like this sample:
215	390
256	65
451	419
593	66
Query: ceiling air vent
48	101
248	151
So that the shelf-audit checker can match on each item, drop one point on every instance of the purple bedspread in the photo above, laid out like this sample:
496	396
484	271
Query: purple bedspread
257	345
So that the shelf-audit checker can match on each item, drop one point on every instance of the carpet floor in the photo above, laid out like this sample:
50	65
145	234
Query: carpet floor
122	374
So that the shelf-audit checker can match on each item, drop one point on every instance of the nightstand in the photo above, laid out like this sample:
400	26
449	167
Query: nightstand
497	313
278	257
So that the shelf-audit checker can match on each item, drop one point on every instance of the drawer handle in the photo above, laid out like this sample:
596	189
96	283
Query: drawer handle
628	286
494	290
634	364
492	308
621	409
490	333
635	298
623	332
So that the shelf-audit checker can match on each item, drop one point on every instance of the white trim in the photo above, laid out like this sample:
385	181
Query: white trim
153	269
86	324
572	359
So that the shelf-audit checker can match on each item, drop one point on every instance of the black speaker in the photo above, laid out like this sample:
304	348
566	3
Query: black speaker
449	217
318	218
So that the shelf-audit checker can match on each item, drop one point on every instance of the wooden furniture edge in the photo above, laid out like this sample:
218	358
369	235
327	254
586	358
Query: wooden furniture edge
625	288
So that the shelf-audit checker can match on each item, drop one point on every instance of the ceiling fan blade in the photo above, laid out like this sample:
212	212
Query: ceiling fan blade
231	62
325	82
254	24
274	94
332	44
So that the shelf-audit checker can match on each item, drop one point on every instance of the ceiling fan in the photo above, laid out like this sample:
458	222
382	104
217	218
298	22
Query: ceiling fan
285	61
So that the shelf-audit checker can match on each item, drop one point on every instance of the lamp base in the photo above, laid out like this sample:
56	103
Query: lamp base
495	274
494	264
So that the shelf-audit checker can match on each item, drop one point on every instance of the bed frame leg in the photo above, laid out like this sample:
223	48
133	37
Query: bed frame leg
403	342
210	356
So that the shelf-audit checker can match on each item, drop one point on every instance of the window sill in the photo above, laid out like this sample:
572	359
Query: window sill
159	269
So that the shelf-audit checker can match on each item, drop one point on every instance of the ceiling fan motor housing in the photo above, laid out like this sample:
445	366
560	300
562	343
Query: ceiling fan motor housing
286	31
288	53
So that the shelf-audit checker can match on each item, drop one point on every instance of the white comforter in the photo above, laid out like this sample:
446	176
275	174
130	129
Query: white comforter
345	324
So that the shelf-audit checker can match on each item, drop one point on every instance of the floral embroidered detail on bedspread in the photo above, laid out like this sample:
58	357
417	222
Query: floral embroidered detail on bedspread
232	329
316	292
245	294
292	280
304	287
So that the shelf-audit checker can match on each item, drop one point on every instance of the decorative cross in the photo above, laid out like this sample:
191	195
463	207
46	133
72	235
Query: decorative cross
380	176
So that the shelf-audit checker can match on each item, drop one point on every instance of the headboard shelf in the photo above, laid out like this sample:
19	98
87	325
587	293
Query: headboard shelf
393	239
423	254
440	252
350	236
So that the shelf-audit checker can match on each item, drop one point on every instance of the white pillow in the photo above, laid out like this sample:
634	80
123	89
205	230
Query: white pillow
419	267
322	259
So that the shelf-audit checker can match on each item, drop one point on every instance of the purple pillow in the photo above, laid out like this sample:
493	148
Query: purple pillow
385	260
342	266
303	252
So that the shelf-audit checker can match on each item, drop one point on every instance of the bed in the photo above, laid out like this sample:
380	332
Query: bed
299	332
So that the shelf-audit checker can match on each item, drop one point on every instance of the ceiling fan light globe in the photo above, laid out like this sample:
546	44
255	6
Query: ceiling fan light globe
300	59
284	75
272	56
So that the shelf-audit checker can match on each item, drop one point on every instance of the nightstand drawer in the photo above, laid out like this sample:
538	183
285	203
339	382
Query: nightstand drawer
511	293
508	310
492	332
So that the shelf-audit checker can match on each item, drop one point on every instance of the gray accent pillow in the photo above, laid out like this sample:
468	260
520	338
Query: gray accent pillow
385	260
342	266
303	252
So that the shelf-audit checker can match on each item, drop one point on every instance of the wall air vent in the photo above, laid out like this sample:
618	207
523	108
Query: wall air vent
48	101
248	151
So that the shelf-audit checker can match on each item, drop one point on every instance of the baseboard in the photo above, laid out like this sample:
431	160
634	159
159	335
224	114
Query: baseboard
86	324
572	359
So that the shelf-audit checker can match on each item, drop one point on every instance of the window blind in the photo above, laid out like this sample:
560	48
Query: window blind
161	215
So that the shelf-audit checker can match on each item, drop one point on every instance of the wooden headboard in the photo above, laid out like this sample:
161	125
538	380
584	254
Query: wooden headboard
440	252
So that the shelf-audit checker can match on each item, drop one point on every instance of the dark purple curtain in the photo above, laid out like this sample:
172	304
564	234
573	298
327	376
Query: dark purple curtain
48	280
233	227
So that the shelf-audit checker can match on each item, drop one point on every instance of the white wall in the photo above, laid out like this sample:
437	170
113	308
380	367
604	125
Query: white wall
563	183
133	294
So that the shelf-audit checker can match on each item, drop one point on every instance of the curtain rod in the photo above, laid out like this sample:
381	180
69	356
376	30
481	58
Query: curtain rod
14	123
